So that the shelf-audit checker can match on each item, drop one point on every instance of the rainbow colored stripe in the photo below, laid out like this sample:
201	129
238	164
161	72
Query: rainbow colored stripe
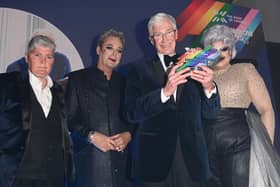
206	57
201	14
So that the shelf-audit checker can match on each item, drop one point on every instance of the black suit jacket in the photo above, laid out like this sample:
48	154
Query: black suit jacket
16	121
160	124
94	104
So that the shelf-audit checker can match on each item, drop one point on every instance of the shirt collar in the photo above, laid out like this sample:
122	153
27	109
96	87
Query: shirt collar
35	82
161	58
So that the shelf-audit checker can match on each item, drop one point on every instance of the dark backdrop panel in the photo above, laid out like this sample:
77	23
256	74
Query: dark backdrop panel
82	21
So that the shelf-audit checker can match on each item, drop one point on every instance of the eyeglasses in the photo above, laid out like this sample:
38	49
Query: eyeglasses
224	49
159	35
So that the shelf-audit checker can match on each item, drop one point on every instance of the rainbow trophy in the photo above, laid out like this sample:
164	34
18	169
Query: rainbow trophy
195	57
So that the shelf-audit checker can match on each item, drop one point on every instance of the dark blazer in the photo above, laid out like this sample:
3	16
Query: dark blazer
160	124
16	121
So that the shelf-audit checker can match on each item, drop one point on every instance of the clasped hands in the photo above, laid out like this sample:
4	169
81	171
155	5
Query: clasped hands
116	142
203	74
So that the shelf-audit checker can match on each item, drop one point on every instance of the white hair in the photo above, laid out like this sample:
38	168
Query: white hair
219	33
158	18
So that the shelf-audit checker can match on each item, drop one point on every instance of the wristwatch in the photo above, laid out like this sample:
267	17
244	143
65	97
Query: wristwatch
90	134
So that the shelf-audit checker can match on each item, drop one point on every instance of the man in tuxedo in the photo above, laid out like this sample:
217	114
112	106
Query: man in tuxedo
168	109
35	146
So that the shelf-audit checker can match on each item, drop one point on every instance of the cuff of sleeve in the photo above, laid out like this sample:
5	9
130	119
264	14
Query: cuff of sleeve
210	93
164	99
90	134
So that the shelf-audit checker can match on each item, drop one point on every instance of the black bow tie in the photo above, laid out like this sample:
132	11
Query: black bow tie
169	59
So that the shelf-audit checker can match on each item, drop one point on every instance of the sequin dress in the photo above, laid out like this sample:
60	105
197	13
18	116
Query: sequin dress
238	139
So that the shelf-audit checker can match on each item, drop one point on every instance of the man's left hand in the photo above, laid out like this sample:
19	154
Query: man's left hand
205	76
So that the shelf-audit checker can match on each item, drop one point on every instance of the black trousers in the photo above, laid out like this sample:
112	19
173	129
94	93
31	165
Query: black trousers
228	140
51	182
178	175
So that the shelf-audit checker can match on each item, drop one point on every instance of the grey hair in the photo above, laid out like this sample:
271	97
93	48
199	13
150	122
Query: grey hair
219	33
111	33
40	40
158	18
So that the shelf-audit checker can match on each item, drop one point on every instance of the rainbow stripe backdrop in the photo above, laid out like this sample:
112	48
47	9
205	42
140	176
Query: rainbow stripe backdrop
201	14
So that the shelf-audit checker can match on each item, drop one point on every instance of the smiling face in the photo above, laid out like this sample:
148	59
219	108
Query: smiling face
164	37
225	52
40	61
109	53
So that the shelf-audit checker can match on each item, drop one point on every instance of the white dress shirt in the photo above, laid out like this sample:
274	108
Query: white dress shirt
43	95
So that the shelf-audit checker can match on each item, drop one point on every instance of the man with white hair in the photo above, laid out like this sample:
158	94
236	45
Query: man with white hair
168	108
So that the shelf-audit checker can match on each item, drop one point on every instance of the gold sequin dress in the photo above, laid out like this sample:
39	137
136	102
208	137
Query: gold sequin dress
240	150
240	85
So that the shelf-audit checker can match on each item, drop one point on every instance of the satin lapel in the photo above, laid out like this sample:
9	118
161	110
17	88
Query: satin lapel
158	69
58	93
24	90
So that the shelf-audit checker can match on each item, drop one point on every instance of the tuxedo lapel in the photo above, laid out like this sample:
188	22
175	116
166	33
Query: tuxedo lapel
179	91
159	71
24	89
58	95
57	92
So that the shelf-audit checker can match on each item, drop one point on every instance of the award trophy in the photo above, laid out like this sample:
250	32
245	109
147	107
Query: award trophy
195	57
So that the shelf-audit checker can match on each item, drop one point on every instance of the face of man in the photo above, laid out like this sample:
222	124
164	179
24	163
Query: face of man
164	37
40	61
110	53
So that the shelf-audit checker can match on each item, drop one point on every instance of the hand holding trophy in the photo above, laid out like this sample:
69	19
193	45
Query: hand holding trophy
196	57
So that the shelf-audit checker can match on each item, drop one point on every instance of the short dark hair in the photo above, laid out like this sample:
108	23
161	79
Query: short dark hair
109	33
